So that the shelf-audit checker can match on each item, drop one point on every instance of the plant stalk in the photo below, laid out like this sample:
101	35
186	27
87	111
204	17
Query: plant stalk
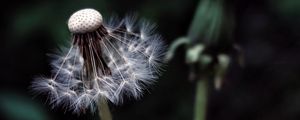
103	109
201	99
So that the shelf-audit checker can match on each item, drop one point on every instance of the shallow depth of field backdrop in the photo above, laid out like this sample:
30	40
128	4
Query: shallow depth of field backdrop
265	87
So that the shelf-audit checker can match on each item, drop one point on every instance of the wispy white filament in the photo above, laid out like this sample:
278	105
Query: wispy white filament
133	54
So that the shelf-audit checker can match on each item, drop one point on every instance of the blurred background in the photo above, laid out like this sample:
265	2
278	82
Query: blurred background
265	86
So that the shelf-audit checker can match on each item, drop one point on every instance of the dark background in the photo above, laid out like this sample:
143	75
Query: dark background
267	87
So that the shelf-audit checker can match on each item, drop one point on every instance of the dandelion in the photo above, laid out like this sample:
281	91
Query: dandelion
105	60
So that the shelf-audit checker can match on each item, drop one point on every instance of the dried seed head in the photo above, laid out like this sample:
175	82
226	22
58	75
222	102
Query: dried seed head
85	20
105	60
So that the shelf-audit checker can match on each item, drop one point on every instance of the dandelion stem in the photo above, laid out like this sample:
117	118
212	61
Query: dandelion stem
103	108
201	99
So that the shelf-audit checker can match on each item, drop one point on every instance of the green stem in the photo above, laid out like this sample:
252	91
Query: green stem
201	100
103	109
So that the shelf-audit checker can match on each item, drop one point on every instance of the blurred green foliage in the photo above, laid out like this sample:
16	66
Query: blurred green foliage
286	7
19	107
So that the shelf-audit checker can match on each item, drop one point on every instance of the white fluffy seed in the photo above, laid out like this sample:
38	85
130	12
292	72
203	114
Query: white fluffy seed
85	20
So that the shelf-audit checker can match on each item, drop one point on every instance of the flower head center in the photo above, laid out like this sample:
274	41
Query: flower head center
85	20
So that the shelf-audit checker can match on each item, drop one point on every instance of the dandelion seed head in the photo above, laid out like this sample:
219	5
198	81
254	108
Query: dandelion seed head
106	60
85	20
